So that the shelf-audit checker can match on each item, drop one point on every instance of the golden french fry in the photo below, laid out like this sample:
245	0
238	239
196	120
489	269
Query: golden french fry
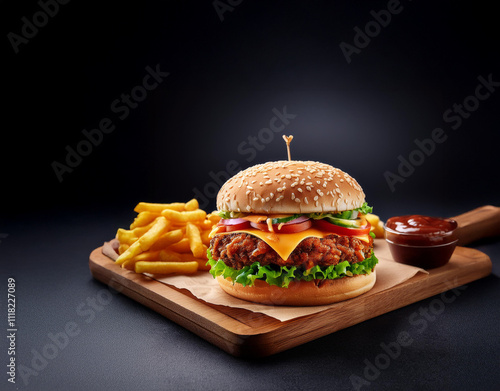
130	236
372	219
167	239
139	231
133	250
180	247
192	205
145	256
125	236
205	224
213	217
170	256
148	239
204	236
122	248
195	243
158	208
145	241
166	267
143	218
202	263
377	224
378	230
184	217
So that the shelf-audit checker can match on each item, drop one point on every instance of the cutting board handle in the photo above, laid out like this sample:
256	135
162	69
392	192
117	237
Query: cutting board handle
483	222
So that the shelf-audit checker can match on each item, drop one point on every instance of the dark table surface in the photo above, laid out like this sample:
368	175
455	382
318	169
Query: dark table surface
73	332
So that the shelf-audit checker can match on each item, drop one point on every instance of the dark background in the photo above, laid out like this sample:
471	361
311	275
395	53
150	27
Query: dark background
225	78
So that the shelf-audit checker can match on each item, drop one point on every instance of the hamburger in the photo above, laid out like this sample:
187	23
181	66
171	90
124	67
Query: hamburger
292	233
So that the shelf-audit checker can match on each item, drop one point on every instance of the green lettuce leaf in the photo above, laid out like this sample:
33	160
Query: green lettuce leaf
282	275
365	209
224	214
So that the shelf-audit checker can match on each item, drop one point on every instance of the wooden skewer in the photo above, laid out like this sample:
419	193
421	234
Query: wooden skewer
288	140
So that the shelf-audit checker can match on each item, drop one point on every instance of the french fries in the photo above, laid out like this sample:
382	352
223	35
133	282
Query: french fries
377	225
166	238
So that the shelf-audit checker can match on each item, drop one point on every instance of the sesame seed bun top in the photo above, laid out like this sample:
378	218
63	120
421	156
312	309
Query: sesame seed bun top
290	187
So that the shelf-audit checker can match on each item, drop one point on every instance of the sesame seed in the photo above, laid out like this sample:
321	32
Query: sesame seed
297	199
293	196
316	198
248	192
308	188
299	189
305	200
249	187
269	182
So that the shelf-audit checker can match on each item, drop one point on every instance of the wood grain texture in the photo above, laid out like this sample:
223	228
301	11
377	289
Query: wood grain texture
482	222
244	333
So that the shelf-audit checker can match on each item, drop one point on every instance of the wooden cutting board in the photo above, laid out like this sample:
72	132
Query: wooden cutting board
244	333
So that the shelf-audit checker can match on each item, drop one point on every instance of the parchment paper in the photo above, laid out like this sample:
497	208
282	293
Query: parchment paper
203	286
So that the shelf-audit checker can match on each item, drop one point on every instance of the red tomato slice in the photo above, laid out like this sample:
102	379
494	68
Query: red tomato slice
344	231
285	228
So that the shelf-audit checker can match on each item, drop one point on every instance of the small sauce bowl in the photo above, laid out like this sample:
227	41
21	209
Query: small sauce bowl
422	241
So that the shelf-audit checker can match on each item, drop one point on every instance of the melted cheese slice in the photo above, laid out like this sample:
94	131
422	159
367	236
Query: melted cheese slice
284	244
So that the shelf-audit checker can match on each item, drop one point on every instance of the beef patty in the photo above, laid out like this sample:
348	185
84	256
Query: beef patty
240	249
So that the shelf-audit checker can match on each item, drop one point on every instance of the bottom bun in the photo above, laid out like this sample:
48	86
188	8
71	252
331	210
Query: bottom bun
301	293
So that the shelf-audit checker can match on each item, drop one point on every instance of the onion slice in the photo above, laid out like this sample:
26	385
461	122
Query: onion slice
233	221
300	219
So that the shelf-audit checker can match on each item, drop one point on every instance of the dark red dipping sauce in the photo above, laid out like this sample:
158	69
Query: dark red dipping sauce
420	230
421	241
